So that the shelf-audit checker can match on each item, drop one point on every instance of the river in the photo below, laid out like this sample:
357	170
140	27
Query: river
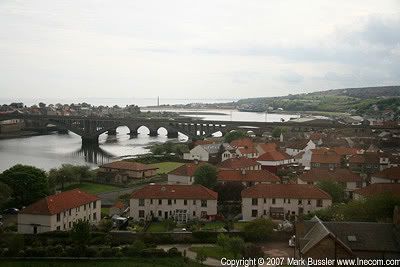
49	151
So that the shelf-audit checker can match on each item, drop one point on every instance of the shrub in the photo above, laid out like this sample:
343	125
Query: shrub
174	252
259	229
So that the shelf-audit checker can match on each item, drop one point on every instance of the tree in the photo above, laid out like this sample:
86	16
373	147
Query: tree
252	251
277	131
335	190
223	241
201	256
5	193
259	229
206	175
69	173
106	225
229	191
236	246
80	233
233	135
28	184
228	225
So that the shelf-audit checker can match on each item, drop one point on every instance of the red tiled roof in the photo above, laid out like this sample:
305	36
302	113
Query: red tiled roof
273	155
267	147
345	151
247	176
161	191
238	163
298	144
368	157
244	142
57	203
299	191
128	166
337	175
357	159
392	173
247	150
380	188
327	157
187	169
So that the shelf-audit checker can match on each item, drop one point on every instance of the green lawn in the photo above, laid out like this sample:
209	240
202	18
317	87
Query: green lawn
134	262
215	252
92	188
213	226
156	227
166	167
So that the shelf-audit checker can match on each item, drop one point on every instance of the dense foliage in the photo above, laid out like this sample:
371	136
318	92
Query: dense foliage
68	173
28	184
234	135
259	229
206	175
335	190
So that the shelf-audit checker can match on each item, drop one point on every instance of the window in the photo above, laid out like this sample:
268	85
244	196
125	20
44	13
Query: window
288	201
194	213
204	203
58	217
94	205
94	216
169	202
70	212
141	202
254	201
265	212
69	225
58	228
174	201
160	202
159	213
309	202
254	213
151	201
273	201
319	202
141	213
64	226
300	202
84	207
284	200
194	202
185	202
265	200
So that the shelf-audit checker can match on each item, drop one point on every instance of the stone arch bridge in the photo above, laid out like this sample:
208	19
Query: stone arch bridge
89	128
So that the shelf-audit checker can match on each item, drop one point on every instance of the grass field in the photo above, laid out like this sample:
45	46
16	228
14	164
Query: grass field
215	252
156	227
212	226
92	188
135	262
239	225
166	167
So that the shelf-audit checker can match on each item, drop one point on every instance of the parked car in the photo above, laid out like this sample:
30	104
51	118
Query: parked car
11	211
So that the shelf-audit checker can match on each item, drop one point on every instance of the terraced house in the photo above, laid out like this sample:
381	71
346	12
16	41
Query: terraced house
280	201
178	202
59	212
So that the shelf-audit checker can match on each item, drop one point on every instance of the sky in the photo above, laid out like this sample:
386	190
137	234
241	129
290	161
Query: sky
195	49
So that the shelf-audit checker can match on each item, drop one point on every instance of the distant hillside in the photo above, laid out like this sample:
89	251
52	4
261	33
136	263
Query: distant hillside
371	100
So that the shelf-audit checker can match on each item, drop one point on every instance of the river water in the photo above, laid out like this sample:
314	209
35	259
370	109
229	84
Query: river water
48	151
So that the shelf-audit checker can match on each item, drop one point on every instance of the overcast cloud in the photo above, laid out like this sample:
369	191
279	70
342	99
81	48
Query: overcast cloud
195	49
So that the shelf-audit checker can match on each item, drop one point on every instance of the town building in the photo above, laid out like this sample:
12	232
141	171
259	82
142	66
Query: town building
298	146
274	159
247	177
212	153
325	158
183	174
389	175
239	164
282	201
350	180
369	162
178	202
317	239
59	212
122	172
265	147
376	190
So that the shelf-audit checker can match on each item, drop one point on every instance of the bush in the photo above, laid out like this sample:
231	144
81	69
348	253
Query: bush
54	251
259	229
174	252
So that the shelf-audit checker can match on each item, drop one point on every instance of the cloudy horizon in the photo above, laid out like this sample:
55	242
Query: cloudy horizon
198	50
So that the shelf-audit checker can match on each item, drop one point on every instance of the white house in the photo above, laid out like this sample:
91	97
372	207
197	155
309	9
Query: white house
183	174
273	159
210	152
280	201
59	212
299	146
178	202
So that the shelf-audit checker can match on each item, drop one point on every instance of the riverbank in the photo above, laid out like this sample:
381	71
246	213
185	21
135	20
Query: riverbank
19	134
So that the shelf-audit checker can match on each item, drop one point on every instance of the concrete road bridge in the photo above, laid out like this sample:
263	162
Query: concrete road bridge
89	128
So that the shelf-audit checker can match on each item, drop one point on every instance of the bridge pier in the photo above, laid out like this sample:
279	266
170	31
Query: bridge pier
172	134
90	141
153	133
112	131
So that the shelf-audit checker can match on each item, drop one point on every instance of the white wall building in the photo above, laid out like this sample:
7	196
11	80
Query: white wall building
178	202
280	201
59	212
